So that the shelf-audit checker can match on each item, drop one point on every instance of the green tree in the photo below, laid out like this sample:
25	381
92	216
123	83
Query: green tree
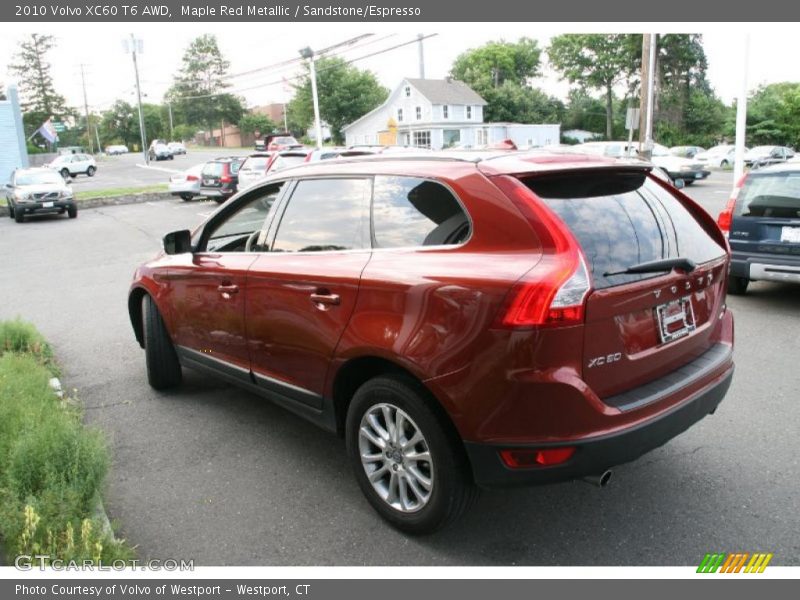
598	61
345	94
120	124
496	63
198	93
38	97
773	115
501	73
584	112
257	124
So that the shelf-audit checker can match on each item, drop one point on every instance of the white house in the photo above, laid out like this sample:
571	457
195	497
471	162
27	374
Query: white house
440	113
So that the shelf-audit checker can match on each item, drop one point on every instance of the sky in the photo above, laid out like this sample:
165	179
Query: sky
248	46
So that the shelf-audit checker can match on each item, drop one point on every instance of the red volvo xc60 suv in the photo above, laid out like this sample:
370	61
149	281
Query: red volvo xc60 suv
463	320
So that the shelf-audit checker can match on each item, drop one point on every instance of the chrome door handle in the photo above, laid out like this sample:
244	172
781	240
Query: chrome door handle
228	289
331	299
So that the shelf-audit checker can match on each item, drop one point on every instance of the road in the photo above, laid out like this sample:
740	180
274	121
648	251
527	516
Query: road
214	474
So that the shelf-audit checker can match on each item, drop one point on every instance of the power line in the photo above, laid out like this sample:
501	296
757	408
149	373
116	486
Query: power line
299	77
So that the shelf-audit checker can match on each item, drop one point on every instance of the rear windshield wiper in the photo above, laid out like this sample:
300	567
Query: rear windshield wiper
686	265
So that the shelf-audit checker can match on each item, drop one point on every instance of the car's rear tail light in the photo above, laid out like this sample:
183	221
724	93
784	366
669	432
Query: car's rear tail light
554	291
726	216
536	457
192	178
225	179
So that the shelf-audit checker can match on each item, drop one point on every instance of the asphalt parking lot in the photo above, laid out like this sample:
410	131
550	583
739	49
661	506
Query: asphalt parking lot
211	473
129	170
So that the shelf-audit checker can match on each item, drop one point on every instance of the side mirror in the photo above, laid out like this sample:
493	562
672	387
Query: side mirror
679	183
178	242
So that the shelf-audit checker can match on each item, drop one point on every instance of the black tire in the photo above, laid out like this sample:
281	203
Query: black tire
452	491
688	181
724	164
187	197
219	200
65	173
171	157
91	171
737	286
163	368
72	212
10	210
19	217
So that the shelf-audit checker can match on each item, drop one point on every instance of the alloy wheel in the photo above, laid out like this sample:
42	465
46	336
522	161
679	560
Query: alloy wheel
396	458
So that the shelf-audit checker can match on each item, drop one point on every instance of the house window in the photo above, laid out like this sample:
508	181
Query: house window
469	112
419	113
445	112
408	91
451	137
399	115
422	139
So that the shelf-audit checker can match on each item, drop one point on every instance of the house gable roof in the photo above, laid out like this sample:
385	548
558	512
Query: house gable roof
446	91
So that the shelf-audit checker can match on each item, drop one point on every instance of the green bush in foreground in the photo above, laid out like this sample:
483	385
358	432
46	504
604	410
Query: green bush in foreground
52	468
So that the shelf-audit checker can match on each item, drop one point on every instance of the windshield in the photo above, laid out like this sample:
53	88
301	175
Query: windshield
282	162
762	149
40	178
285	140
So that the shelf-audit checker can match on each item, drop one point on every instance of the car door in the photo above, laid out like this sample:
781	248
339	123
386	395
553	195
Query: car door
302	291
207	288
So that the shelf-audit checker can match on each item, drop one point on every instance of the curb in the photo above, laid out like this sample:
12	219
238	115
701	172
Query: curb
113	201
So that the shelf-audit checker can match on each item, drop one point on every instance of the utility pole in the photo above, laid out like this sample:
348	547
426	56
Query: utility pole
134	50
86	109
646	102
420	37
741	115
169	107
308	53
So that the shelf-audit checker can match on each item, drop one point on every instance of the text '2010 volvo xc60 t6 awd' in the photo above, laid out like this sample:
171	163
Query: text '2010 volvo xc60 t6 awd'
463	320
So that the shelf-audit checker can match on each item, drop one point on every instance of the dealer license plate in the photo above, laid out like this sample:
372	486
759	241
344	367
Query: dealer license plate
675	319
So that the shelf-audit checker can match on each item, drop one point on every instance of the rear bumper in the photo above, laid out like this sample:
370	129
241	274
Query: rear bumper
594	455
766	267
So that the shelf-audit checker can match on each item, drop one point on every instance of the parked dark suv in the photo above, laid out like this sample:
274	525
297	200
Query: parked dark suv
219	178
463	321
762	221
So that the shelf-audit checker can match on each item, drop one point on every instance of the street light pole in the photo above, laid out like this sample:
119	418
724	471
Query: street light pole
308	53
86	109
171	135
139	98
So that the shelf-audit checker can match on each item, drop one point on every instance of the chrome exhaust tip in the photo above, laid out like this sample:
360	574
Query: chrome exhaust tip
600	480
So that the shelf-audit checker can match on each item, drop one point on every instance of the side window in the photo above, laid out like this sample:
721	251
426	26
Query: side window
325	214
408	211
238	231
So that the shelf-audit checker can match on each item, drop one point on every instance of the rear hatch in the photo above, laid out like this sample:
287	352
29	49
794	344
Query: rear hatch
211	176
639	327
766	216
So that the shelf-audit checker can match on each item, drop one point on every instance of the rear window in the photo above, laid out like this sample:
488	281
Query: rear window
283	162
213	169
255	163
775	195
624	219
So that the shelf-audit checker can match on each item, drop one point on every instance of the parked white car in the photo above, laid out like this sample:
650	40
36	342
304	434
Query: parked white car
177	148
70	165
718	156
254	168
115	149
186	185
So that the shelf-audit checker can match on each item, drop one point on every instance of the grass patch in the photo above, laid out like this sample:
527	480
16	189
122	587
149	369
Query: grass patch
123	191
52	468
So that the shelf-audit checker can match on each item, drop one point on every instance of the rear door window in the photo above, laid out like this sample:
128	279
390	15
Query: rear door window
325	214
773	195
410	212
624	219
